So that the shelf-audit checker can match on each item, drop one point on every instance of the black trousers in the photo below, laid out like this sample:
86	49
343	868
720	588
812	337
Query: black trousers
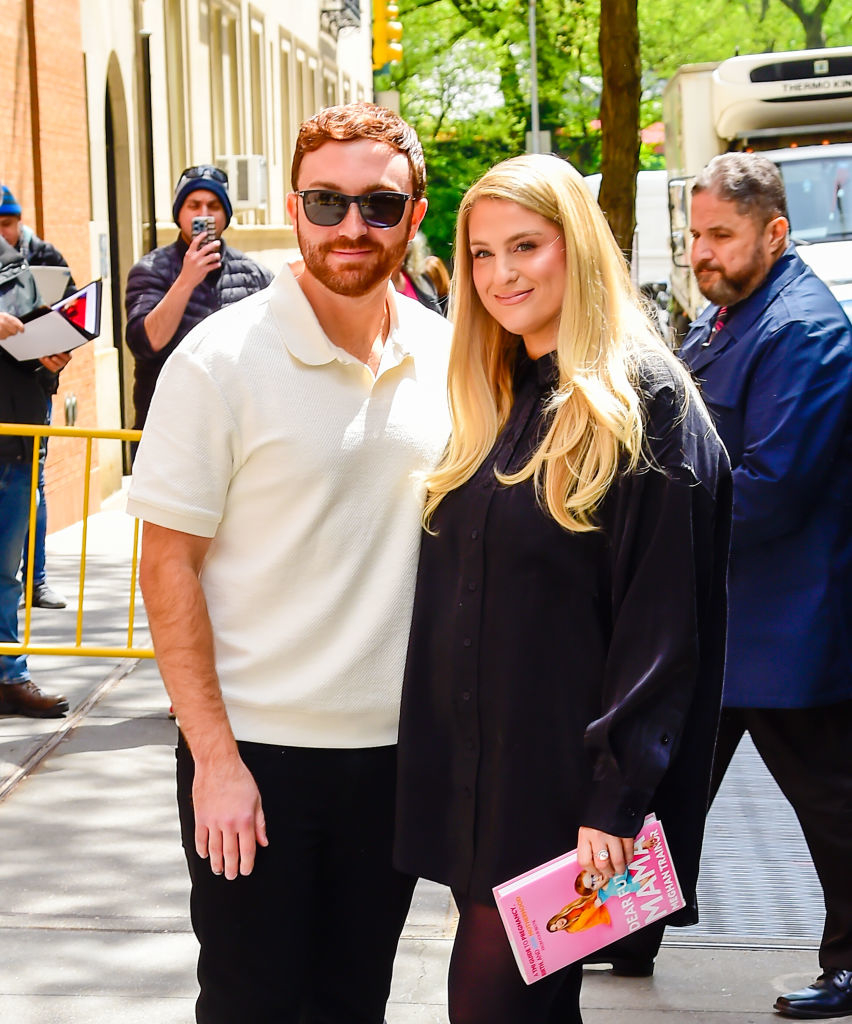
808	751
309	937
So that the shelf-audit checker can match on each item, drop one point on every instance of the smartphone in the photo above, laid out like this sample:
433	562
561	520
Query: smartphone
204	226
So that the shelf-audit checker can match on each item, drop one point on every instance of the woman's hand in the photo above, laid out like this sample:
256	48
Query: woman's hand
603	853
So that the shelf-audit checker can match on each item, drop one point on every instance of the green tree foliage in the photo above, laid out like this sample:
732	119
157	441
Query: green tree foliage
465	84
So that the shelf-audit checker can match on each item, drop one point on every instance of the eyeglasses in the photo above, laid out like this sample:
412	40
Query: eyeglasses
205	171
377	209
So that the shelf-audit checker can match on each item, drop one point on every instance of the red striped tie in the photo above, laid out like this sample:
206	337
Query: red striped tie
721	317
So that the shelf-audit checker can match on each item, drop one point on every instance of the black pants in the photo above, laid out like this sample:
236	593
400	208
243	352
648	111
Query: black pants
309	937
808	751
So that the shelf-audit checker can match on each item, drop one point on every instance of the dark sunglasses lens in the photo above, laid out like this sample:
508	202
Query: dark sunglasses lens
382	209
324	208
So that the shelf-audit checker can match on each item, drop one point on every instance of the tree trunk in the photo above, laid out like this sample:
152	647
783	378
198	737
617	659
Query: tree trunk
618	45
811	21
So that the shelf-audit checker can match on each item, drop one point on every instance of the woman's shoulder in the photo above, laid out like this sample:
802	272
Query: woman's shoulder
678	430
659	375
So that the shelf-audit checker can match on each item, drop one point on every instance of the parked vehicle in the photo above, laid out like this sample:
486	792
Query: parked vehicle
651	258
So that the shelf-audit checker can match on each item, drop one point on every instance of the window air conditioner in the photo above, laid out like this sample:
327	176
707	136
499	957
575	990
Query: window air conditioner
247	179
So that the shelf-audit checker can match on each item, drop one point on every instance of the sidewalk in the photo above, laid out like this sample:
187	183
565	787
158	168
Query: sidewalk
94	923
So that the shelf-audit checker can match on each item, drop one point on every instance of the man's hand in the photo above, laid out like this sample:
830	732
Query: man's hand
56	362
229	821
9	325
201	257
591	843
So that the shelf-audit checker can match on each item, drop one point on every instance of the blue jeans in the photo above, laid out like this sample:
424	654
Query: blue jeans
14	510
39	560
39	568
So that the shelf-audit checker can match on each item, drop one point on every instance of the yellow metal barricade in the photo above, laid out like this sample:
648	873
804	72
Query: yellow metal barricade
26	646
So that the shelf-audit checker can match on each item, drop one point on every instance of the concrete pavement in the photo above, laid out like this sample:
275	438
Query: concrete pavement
93	889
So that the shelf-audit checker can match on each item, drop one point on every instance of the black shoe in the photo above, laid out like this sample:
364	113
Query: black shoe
28	700
624	967
829	996
45	597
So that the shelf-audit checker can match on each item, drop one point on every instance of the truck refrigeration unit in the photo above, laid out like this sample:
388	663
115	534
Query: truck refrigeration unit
796	109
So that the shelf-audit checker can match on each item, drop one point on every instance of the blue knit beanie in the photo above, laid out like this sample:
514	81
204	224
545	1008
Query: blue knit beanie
205	176
9	205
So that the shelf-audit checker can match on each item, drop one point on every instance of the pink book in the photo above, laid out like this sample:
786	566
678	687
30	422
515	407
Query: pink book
557	914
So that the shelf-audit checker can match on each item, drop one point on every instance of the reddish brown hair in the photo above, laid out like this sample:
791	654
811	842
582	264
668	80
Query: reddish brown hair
361	121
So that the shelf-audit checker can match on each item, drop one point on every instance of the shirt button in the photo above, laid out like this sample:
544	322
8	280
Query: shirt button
471	586
467	641
474	534
664	739
466	695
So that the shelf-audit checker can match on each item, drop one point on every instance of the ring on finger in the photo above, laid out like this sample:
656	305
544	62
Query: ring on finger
603	855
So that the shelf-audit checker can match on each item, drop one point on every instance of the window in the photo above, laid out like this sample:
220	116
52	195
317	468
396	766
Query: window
224	81
256	69
175	86
288	119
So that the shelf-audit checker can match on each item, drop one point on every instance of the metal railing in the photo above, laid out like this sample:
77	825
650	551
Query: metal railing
25	645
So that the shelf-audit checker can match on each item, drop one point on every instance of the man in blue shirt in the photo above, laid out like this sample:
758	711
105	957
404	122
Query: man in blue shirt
772	354
773	357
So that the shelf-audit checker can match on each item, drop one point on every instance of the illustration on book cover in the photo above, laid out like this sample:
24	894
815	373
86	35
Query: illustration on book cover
557	914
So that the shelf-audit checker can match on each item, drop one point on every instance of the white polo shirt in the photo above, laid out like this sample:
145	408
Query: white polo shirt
303	468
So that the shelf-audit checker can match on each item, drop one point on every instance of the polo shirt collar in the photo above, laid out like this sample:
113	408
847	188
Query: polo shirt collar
307	341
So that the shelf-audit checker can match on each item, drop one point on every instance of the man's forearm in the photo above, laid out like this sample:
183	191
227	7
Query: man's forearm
164	319
183	641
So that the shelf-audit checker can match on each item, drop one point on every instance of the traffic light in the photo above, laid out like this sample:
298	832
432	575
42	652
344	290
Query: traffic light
387	33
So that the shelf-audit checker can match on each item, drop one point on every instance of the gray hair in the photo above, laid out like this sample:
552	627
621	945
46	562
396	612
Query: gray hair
750	180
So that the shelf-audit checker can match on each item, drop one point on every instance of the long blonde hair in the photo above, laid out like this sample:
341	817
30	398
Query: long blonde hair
596	426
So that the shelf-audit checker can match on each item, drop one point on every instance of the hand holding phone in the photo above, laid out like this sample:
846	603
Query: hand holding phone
202	226
204	253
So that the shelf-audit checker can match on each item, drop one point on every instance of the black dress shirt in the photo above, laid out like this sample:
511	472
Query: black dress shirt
554	678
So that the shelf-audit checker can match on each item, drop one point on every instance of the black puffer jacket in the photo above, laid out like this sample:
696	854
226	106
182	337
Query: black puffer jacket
147	283
25	387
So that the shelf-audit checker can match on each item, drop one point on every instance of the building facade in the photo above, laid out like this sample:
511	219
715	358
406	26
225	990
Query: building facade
44	160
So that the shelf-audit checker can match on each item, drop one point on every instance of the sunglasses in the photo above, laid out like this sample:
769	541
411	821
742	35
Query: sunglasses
377	209
205	171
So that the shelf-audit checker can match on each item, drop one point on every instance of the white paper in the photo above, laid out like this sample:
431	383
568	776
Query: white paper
52	282
45	336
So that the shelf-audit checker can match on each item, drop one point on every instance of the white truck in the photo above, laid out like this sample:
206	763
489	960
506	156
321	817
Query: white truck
795	108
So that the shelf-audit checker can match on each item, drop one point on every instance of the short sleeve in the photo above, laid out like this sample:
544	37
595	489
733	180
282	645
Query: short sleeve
183	468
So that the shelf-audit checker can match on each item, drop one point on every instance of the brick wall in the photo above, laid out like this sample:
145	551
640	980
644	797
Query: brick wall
48	171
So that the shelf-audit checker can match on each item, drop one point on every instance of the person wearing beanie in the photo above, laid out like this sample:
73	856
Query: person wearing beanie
173	288
37	253
25	386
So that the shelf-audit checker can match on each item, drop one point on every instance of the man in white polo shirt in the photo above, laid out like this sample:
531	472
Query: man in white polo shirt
278	481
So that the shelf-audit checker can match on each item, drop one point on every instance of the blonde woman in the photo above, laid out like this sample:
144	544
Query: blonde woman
565	661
